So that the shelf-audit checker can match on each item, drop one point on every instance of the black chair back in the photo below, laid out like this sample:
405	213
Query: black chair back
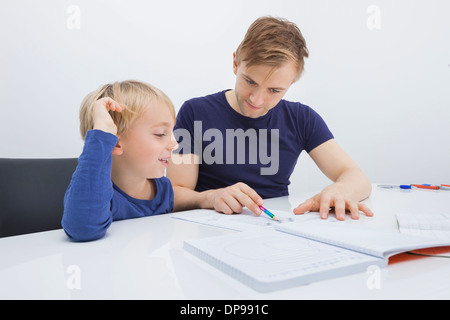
32	194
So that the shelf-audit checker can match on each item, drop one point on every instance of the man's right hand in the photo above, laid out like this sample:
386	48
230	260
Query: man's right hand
234	198
184	175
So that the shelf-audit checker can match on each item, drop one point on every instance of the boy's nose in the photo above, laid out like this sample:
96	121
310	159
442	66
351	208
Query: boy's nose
173	144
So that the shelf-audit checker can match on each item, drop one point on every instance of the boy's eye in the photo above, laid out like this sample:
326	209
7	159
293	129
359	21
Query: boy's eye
274	91
250	81
160	135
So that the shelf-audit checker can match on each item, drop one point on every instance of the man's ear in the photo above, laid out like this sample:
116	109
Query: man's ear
118	150
235	64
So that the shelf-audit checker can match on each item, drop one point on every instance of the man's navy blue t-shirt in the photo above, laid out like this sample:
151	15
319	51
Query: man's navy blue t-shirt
232	148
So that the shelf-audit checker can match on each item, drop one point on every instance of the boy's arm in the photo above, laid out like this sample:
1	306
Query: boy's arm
350	186
87	202
183	173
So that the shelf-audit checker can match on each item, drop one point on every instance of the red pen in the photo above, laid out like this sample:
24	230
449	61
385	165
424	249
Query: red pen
425	187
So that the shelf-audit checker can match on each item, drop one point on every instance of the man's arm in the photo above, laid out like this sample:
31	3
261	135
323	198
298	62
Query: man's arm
183	173
350	186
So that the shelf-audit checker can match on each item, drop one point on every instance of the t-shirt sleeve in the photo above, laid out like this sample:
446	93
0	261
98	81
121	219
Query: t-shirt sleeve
87	202
184	130
166	201
314	129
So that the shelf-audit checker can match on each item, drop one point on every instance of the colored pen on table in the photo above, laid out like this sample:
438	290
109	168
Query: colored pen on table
425	186
388	186
420	186
270	214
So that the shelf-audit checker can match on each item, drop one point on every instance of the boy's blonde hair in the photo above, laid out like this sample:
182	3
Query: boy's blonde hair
135	95
273	41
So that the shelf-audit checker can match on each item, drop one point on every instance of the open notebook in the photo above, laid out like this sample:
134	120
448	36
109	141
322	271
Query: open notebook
245	221
436	225
299	253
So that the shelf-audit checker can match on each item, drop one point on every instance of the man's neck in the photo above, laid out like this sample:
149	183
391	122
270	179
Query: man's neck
232	101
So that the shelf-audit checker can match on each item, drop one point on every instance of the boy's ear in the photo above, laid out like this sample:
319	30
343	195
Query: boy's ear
118	150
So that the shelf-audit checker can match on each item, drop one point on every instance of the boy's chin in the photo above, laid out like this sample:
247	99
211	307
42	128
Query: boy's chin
157	174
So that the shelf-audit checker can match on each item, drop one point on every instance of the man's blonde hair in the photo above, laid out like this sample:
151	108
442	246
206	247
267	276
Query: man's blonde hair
135	95
273	41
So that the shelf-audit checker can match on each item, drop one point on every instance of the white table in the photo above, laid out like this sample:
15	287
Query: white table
144	259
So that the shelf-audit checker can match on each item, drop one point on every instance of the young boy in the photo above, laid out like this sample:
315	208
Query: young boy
128	131
267	62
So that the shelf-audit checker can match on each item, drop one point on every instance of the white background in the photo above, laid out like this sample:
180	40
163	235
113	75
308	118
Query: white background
381	82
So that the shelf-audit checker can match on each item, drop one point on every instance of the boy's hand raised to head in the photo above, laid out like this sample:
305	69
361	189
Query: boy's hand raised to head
234	198
101	117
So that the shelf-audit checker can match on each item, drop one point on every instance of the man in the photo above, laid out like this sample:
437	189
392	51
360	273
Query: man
240	146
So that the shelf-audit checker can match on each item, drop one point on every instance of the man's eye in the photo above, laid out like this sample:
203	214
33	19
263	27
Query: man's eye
160	135
250	81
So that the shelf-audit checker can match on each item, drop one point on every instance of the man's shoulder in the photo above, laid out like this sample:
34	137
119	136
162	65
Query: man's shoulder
295	109
207	100
294	105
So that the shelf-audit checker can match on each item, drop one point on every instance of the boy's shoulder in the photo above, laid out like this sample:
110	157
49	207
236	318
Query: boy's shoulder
165	192
164	186
163	181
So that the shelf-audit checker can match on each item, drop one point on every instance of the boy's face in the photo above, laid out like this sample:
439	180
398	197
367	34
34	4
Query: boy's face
259	88
149	142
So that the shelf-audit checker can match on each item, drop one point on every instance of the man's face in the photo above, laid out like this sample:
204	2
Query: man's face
260	88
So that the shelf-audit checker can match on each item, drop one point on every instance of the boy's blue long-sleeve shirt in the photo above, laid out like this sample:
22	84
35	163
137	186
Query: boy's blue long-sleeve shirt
92	201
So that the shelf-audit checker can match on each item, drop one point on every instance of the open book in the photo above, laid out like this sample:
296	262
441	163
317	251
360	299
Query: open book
299	253
244	221
436	225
